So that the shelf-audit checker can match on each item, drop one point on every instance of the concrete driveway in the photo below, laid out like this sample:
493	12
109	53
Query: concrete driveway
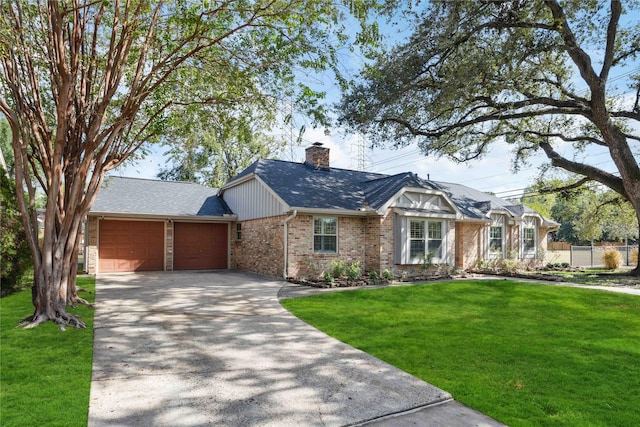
217	348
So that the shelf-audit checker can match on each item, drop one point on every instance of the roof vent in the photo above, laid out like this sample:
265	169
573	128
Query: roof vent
317	156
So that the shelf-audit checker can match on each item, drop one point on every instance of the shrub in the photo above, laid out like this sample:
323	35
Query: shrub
427	261
387	275
353	270
328	277
510	265
338	268
373	275
612	258
15	256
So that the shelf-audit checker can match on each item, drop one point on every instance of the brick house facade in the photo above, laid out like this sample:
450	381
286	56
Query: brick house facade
288	219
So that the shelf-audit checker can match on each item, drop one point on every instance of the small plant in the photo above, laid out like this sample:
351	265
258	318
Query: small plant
612	258
328	277
373	275
338	268
427	261
387	275
541	255
510	265
353	270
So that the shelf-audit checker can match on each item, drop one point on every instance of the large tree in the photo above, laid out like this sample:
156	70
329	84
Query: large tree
550	77
85	84
585	212
210	146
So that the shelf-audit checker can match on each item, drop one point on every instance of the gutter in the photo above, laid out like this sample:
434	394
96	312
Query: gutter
161	217
285	270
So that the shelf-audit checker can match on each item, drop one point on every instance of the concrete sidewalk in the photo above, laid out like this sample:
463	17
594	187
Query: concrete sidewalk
216	348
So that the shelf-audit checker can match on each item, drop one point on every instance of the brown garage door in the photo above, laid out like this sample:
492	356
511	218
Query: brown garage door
130	246
199	246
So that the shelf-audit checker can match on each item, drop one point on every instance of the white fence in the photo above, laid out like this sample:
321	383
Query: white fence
591	256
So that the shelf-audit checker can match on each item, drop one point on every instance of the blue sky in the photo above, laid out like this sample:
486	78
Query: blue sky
492	173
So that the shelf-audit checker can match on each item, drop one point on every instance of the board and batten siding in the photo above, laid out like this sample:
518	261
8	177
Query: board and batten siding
252	200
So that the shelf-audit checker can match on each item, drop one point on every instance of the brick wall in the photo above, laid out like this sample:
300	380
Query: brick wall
351	246
261	248
386	242
469	245
372	244
91	257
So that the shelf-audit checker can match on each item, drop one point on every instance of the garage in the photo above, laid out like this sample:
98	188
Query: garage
200	246
130	246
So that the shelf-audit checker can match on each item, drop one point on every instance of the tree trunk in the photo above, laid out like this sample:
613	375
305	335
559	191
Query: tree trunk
54	286
636	270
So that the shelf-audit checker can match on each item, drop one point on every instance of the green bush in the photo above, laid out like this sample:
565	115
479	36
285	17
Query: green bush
353	270
338	268
328	277
612	258
15	256
387	274
510	265
373	275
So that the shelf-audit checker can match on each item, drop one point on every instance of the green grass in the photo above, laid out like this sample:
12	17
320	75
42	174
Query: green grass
527	355
599	277
45	373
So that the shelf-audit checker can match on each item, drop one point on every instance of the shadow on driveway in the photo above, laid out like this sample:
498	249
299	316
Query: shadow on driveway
217	348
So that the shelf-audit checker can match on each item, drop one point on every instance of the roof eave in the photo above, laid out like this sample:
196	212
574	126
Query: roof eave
235	182
335	212
158	217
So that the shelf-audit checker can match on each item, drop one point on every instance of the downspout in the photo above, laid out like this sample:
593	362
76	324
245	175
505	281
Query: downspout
285	269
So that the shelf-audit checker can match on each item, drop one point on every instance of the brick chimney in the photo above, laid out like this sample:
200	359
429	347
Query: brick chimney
317	156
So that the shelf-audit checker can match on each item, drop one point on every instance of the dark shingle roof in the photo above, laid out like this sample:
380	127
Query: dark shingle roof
153	197
302	186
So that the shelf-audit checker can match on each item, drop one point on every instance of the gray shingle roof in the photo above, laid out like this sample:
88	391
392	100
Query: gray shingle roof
302	186
120	195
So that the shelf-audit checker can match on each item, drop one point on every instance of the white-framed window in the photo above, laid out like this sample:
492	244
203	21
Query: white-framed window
495	239
325	235
496	236
529	237
425	237
238	231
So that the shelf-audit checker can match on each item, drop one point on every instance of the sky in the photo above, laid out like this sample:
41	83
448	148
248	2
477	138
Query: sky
492	173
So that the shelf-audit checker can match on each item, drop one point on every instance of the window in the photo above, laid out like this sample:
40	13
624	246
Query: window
529	239
495	240
419	240
238	231
434	242
325	235
416	239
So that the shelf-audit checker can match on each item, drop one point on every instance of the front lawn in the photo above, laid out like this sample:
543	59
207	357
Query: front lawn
45	373
599	277
521	353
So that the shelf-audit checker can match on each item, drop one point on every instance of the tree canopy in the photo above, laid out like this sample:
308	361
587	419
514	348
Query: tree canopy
586	213
85	85
211	145
551	78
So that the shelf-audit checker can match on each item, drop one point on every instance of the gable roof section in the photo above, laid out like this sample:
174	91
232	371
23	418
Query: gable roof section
147	197
379	191
300	185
